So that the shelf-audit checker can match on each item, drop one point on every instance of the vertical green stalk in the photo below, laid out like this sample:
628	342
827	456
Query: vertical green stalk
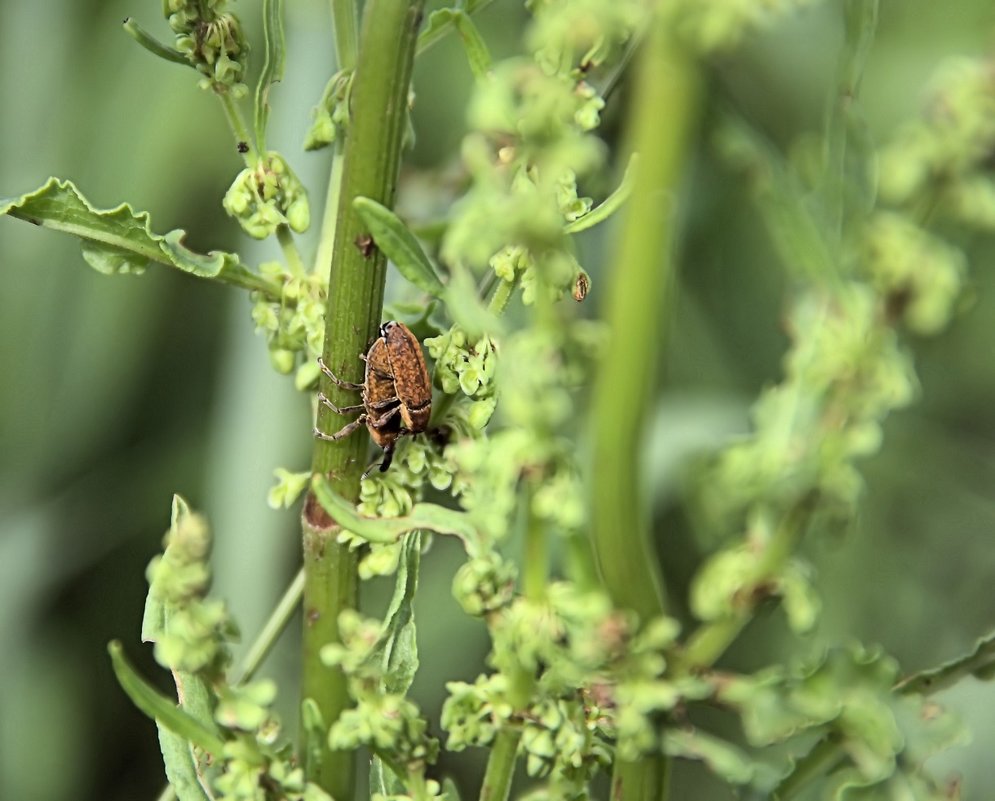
662	115
355	300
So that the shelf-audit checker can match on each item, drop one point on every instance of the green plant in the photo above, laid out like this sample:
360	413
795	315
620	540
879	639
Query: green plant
589	671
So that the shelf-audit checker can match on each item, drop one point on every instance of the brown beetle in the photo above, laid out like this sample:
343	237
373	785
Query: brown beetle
411	381
391	408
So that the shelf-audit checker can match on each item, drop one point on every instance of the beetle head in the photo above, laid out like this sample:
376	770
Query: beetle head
385	328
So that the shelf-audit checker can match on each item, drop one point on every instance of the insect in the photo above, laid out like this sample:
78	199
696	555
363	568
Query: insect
396	391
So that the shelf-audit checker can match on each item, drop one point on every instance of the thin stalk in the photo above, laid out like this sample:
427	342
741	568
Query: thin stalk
814	764
711	640
326	242
271	630
637	311
355	301
290	253
346	32
238	129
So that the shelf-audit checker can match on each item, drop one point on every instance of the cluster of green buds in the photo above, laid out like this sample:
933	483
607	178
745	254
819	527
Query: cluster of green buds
461	364
212	41
192	633
331	115
595	679
383	720
845	372
294	323
190	630
266	196
942	161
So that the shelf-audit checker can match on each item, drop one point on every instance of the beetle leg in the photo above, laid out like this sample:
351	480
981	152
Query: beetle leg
335	379
323	399
384	464
345	431
379	406
380	420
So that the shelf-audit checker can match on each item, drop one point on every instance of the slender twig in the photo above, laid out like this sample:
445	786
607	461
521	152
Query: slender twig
271	630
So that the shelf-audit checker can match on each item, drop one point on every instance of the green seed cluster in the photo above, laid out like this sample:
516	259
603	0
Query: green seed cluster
597	681
192	634
266	196
294	323
212	40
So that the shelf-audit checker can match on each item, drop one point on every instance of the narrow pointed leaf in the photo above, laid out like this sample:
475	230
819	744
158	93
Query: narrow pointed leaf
400	246
153	45
473	43
120	240
160	708
273	66
180	765
423	516
397	650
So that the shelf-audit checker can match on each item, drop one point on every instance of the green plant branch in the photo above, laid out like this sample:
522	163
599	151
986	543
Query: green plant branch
500	766
860	23
642	266
712	639
238	129
346	32
271	631
436	34
816	763
637	311
290	253
355	299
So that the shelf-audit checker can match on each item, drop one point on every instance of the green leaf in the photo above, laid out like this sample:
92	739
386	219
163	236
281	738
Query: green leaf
397	650
400	246
120	240
979	662
473	43
153	45
160	708
423	516
315	734
610	204
723	759
180	765
273	66
154	617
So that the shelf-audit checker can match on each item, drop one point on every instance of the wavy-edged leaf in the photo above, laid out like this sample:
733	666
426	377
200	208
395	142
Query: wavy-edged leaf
121	240
399	244
423	516
979	662
273	66
160	708
610	204
722	758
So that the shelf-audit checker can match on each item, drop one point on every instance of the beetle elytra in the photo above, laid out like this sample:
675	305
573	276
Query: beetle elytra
396	391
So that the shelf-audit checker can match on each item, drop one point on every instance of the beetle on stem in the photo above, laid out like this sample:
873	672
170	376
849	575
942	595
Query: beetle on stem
396	391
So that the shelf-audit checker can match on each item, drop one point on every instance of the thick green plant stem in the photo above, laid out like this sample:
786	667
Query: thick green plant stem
355	300
500	766
663	113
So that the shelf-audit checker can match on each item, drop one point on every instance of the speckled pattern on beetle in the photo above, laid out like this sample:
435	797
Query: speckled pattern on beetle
396	391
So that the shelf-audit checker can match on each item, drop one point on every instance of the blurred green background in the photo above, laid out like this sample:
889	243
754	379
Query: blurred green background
117	392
